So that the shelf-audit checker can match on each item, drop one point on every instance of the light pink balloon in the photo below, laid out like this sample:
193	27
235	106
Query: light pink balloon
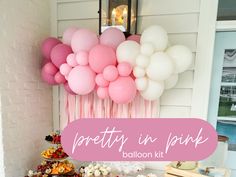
59	54
110	73
81	80
100	81
122	90
50	68
124	69
82	58
112	37
71	60
48	78
45	61
101	56
47	46
134	37
67	35
83	39
65	69
67	88
59	78
102	92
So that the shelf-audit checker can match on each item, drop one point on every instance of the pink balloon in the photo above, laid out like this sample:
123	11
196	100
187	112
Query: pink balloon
50	68
100	81
122	90
59	78
134	37
101	56
110	73
83	39
112	37
48	78
65	69
48	45
81	80
67	88
71	60
45	61
59	54
124	69
67	35
102	92
82	58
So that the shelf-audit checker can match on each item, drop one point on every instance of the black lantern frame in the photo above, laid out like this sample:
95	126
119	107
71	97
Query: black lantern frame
129	15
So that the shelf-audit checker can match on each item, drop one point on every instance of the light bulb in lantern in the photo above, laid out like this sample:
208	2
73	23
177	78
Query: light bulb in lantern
113	17
125	18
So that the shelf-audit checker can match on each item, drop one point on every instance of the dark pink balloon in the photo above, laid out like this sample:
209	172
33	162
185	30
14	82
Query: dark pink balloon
50	68
101	56
59	54
48	45
45	61
59	78
68	89
48	78
134	37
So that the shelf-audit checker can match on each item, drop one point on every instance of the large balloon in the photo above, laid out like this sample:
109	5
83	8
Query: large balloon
181	56
155	35
134	37
160	67
48	45
171	81
127	51
101	56
67	35
50	68
59	54
112	37
122	90
83	39
45	61
48	78
68	89
81	80
153	91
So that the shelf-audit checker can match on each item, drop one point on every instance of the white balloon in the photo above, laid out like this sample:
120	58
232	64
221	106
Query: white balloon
155	35
181	56
142	61
160	67
141	83
127	51
171	81
139	72
153	91
147	49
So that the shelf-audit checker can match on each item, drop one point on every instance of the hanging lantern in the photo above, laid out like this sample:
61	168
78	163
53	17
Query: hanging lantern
121	14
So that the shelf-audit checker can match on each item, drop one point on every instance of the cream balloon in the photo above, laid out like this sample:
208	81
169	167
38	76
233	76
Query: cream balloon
160	67
147	49
171	81
155	35
127	51
153	91
139	72
142	61
181	56
141	83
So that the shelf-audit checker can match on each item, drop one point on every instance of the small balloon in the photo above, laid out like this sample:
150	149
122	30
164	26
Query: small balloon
100	81
50	68
139	72
83	39
48	45
45	61
147	49
153	91
124	69
112	37
48	78
65	69
59	54
142	61
59	78
102	92
82	58
67	35
141	83
71	60
134	37
171	81
67	88
110	73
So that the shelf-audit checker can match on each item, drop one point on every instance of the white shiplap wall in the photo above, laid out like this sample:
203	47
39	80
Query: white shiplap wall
178	17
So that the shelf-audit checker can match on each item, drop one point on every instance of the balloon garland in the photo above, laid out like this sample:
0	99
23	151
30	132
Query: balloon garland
113	66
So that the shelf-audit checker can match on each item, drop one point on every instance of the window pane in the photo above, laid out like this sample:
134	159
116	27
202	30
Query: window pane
226	10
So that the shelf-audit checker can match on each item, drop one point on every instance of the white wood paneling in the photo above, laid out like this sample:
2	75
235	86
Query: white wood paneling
175	111
185	80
